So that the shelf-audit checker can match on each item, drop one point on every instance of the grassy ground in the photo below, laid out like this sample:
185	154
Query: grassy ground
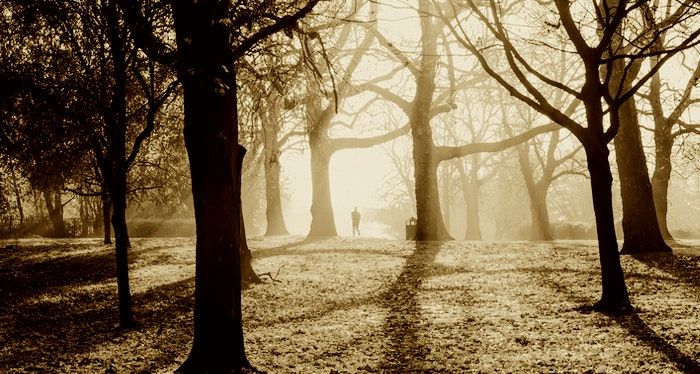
346	305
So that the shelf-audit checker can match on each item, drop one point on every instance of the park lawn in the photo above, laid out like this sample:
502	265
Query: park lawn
355	305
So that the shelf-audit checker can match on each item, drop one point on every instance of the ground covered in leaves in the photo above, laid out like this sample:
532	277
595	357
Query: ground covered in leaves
355	305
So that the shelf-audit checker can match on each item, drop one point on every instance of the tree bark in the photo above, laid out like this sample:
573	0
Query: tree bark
121	247
614	296
206	69
639	222
54	207
430	225
322	217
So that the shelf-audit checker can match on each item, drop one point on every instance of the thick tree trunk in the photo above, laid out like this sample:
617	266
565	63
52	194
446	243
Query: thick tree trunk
275	216
106	214
615	297
639	223
54	207
206	69
430	225
322	217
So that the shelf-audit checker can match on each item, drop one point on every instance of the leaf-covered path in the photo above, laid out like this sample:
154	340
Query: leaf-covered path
356	305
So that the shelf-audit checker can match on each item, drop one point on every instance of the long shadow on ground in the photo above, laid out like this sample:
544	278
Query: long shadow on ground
631	322
21	281
685	268
44	333
405	352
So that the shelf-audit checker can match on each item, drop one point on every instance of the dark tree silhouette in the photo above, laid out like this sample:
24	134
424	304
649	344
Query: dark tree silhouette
211	35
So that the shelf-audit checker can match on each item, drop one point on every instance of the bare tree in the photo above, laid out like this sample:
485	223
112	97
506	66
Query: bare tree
668	127
597	62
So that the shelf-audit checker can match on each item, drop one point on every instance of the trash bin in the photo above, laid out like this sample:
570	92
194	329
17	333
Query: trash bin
411	228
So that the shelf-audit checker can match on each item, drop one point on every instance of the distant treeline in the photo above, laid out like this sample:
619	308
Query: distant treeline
139	227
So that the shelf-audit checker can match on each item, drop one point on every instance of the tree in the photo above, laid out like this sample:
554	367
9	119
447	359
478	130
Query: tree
421	110
321	108
667	128
538	178
596	61
107	93
210	38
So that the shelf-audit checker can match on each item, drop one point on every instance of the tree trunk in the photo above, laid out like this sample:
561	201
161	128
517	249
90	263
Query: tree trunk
121	247
537	192
615	296
661	177
18	195
54	207
470	192
446	194
275	216
430	225
322	217
540	228
106	213
85	218
248	275
639	223
115	172
206	69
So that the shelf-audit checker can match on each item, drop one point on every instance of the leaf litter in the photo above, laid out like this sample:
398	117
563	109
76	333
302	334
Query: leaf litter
348	305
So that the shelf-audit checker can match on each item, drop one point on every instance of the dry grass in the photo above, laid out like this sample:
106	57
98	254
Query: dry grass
355	305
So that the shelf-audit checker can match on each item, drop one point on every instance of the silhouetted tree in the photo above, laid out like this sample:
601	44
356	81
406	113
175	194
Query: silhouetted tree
597	62
211	35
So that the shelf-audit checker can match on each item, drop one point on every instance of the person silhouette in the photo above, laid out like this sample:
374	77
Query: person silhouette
355	221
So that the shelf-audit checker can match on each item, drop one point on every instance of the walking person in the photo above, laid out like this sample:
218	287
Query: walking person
355	221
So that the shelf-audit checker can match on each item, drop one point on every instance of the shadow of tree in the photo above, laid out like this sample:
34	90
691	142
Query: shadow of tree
22	281
685	268
637	327
42	333
405	351
631	321
281	250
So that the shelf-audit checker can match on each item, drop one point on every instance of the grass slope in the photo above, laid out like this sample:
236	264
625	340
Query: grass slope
355	305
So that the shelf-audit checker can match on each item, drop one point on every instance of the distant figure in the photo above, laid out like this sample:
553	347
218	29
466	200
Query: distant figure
355	221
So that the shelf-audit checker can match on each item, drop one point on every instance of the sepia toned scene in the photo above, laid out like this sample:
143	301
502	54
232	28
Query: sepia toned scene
349	186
